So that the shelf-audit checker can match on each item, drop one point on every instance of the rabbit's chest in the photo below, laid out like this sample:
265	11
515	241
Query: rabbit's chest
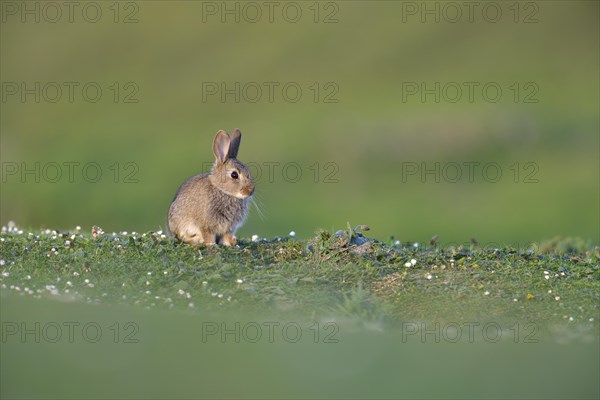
229	210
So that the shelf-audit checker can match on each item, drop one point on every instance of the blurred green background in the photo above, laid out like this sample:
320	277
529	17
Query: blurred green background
169	359
364	58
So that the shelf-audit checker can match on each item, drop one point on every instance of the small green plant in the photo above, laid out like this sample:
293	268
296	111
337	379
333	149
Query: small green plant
359	304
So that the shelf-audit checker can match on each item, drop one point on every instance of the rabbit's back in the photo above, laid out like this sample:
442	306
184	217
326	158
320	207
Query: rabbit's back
189	205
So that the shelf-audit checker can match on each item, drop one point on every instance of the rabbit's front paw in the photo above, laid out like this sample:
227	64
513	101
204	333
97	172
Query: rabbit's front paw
229	239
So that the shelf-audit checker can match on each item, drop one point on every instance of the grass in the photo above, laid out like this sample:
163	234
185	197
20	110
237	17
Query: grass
379	320
345	273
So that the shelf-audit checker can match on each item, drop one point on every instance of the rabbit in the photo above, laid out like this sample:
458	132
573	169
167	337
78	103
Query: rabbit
209	208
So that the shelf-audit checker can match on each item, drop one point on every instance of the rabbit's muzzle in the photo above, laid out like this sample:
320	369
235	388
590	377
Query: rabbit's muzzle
247	191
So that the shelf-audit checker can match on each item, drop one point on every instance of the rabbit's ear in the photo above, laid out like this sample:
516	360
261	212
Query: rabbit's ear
234	147
221	146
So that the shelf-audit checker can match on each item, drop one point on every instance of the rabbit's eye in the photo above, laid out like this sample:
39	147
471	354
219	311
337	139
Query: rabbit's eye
234	175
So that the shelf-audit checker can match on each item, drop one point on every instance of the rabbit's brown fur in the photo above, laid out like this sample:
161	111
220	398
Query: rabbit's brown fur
209	208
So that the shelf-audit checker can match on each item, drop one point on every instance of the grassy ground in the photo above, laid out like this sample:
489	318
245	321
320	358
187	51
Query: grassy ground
344	273
367	297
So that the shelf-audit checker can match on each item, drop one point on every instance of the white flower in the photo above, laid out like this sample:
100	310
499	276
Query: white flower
86	280
546	273
292	233
486	293
149	273
429	276
2	262
181	292
515	300
570	318
413	261
549	290
557	298
397	242
546	277
77	228
238	281
255	238
220	295
408	264
52	289
415	245
204	283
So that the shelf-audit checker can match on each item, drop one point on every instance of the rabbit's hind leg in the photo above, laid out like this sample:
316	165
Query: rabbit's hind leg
191	235
207	237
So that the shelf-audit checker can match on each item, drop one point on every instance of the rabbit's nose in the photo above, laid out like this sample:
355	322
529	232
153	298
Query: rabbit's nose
247	190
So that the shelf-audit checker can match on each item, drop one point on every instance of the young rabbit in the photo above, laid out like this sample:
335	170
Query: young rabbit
209	208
